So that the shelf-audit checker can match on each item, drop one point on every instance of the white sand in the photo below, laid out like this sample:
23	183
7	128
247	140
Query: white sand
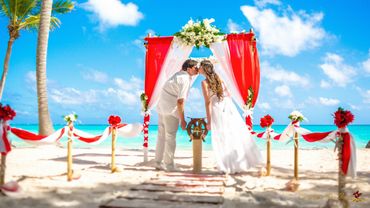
39	173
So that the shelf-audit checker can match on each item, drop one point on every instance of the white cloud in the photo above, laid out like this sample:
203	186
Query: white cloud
262	3
287	34
339	73
355	107
96	76
366	65
126	92
329	101
283	91
133	84
324	84
112	13
264	106
366	96
233	27
72	96
31	77
279	74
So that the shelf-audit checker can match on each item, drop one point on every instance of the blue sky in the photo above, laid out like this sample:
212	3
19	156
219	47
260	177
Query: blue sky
314	55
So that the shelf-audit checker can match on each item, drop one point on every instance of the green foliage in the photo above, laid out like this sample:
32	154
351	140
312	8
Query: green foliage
25	14
249	101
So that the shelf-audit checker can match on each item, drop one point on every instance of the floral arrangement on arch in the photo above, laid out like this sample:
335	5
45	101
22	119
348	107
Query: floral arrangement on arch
343	117
199	33
296	116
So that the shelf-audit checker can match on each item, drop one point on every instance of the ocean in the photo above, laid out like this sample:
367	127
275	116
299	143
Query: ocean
361	134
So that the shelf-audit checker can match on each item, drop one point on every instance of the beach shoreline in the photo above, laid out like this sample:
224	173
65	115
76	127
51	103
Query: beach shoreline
39	172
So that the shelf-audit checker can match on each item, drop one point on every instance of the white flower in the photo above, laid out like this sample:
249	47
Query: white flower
296	115
71	117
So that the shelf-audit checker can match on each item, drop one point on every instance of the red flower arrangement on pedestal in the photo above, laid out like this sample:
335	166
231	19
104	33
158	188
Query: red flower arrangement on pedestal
114	120
343	117
6	113
266	121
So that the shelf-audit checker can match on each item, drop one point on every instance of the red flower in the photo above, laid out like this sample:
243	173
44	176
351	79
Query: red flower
266	121
114	120
342	118
6	113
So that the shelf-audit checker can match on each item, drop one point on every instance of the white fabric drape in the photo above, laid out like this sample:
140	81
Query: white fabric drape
176	56
221	51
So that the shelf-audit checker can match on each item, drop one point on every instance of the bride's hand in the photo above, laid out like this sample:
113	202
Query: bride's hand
208	126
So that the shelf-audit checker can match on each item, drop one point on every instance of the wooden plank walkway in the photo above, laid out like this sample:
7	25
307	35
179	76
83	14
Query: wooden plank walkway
177	189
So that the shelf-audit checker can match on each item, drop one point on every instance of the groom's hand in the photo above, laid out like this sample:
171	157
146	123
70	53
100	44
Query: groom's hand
183	124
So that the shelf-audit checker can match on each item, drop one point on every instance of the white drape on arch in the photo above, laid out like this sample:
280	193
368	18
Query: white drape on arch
176	56
221	51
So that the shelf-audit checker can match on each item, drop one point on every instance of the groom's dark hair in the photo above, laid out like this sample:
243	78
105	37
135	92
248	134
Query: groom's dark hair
189	64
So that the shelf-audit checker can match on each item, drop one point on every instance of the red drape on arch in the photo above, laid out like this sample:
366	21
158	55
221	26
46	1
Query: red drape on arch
156	52
245	65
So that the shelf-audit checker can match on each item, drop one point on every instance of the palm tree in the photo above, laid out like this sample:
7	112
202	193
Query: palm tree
24	15
47	8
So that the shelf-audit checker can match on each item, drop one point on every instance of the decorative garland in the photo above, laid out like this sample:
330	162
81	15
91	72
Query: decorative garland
199	33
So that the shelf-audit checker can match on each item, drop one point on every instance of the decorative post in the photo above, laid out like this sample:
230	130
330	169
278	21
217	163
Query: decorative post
113	166
114	121
295	155
145	111
6	114
69	153
266	122
2	169
341	177
341	119
296	117
70	119
197	131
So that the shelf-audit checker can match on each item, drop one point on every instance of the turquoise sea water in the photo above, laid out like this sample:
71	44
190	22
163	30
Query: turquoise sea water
360	132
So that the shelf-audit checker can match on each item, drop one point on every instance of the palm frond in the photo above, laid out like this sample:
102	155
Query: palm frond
24	8
54	23
63	6
33	22
5	8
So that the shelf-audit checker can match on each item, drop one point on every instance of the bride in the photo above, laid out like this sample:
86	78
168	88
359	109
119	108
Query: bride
234	149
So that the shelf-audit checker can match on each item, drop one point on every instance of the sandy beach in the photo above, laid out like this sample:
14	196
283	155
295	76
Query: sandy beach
40	173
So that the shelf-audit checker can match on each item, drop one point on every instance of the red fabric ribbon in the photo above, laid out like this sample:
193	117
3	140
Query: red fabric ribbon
346	151
248	121
314	137
5	139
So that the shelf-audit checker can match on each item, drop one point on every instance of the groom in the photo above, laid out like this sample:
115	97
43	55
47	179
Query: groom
171	113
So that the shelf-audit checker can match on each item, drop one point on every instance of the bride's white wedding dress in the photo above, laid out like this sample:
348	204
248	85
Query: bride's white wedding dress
233	146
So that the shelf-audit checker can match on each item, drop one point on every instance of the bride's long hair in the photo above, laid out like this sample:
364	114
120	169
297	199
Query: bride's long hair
213	80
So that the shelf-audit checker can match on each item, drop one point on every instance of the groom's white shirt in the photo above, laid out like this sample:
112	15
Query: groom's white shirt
177	87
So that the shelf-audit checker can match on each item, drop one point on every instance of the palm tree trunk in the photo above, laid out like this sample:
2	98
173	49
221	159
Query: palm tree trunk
6	65
45	123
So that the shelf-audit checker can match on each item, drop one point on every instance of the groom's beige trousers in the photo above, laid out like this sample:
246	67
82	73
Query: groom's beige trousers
166	141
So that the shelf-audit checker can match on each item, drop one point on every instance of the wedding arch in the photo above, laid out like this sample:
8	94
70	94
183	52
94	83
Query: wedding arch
237	63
